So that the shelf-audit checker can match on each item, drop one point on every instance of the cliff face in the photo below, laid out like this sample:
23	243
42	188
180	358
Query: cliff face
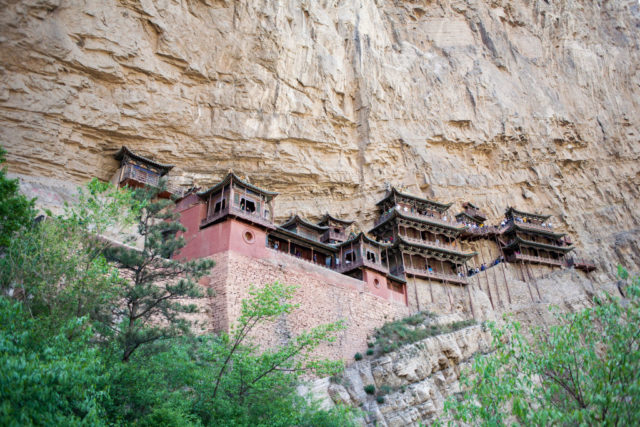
531	103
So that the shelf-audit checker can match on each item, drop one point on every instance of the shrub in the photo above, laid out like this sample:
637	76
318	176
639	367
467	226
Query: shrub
582	370
392	335
358	356
370	389
380	399
385	389
370	344
369	352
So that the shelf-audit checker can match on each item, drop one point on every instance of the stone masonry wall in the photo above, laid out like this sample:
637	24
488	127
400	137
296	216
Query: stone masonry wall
323	295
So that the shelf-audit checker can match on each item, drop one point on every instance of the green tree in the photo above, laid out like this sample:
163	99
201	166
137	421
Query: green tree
16	211
57	268
152	304
57	379
226	380
247	384
584	370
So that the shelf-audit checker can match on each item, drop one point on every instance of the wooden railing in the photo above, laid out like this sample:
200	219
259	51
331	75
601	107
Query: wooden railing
444	277
432	244
528	225
361	262
533	258
427	218
333	235
525	241
149	178
254	217
475	213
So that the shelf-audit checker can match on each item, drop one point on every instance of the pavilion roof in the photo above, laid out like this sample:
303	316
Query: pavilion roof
365	238
436	205
520	241
126	151
515	212
296	219
233	177
468	216
462	255
288	234
424	219
327	217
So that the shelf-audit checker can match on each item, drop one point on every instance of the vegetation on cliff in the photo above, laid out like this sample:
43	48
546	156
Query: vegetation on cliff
84	343
585	370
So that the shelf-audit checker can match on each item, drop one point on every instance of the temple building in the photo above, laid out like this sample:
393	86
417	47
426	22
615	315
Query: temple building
338	229
233	197
531	238
424	238
368	260
136	171
471	215
303	239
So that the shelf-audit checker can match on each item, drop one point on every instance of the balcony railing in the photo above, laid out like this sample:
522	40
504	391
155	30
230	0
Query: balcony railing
536	259
528	225
475	213
427	218
333	235
361	262
444	277
437	245
149	178
254	217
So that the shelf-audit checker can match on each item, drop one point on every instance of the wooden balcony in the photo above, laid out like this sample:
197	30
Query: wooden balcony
442	277
361	262
433	244
476	213
528	225
427	218
138	177
252	217
581	264
535	259
333	235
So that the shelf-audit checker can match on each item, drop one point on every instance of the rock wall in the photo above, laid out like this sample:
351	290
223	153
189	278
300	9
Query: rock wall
418	378
528	102
323	296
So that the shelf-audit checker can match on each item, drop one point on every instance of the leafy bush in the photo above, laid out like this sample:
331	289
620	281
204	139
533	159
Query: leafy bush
380	399
584	370
369	352
358	356
370	389
392	335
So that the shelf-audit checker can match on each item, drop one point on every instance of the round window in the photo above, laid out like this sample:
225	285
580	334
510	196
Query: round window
376	283
248	236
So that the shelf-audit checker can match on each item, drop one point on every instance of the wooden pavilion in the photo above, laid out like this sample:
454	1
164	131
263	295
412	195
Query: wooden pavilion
424	238
338	231
531	238
137	171
233	197
302	238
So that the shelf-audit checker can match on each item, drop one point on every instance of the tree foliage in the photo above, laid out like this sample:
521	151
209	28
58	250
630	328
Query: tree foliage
63	298
16	211
584	370
156	285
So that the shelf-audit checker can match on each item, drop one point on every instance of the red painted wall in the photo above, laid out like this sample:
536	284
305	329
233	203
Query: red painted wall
227	235
383	290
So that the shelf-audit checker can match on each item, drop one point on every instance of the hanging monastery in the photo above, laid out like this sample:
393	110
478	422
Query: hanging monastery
418	256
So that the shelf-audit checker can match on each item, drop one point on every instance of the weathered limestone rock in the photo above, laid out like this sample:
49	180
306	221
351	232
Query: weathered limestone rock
528	103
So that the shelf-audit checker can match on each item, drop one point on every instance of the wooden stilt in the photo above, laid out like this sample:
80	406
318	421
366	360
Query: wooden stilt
506	285
525	280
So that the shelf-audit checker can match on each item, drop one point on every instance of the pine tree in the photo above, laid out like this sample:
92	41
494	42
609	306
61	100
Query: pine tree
153	299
